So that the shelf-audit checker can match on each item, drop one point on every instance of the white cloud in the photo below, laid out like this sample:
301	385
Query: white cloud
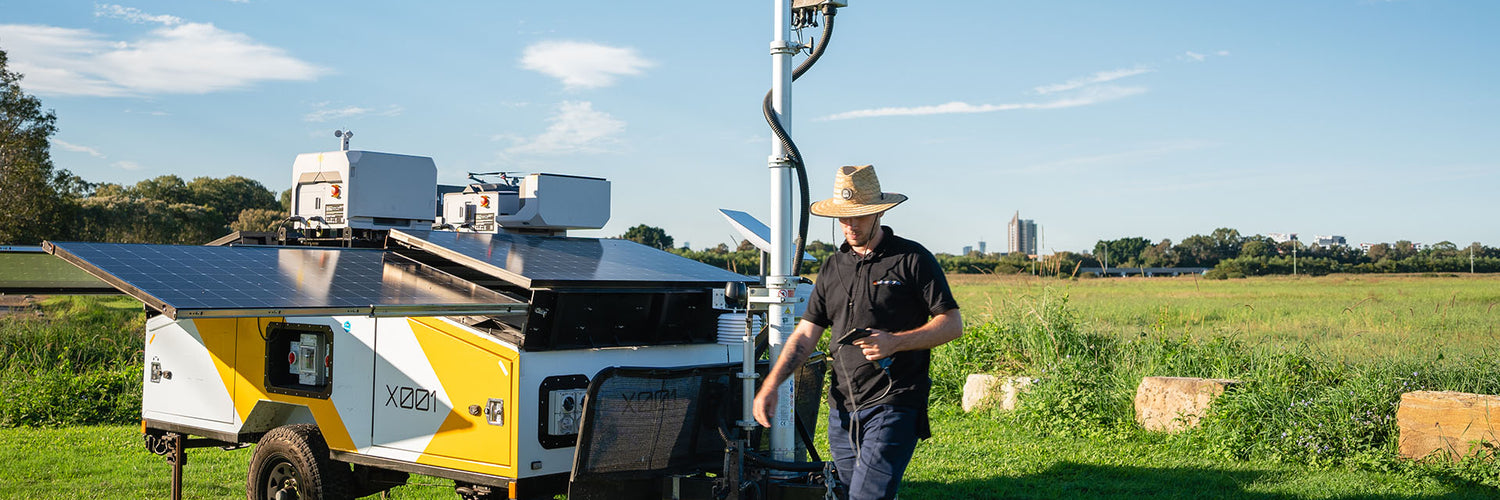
179	57
324	113
1191	56
134	15
77	148
1096	78
576	128
582	65
1114	160
1088	96
126	165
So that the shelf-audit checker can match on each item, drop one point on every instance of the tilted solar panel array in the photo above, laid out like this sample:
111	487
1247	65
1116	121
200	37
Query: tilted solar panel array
205	281
538	261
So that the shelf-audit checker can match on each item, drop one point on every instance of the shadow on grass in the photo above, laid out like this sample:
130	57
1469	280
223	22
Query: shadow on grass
1074	480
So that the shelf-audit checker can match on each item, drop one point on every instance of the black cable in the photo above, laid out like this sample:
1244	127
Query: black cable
795	155
768	462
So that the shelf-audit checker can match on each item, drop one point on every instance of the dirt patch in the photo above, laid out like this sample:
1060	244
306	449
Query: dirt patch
20	304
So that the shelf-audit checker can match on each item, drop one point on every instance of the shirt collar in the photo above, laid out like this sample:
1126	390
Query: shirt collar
885	243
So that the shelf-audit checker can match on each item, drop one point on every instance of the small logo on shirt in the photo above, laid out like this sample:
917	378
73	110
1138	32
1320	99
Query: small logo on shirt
885	282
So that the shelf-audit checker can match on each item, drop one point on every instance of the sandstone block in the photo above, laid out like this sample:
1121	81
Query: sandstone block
979	390
989	390
1172	404
1451	423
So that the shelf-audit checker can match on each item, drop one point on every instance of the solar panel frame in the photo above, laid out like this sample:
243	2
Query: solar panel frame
540	261
371	283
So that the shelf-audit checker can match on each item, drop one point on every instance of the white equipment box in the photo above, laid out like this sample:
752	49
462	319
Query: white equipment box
363	190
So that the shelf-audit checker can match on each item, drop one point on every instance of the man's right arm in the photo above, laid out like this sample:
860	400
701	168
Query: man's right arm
796	351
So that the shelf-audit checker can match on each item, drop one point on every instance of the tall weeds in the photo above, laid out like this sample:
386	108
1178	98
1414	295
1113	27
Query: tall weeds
1295	403
77	362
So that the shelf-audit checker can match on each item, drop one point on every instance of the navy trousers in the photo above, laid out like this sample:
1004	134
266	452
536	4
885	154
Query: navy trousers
872	451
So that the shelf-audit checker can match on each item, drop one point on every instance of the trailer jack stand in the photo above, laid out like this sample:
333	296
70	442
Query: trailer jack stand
173	447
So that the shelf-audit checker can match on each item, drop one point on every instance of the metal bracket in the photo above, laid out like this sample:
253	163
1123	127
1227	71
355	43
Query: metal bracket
494	411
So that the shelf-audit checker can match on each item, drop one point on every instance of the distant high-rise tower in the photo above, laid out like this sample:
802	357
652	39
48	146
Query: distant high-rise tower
981	247
1022	235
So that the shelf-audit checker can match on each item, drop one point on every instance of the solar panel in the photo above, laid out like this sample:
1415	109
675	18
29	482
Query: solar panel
202	281
26	270
538	261
753	230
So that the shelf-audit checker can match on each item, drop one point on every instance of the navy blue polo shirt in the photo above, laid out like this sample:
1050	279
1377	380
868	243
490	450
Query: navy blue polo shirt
897	287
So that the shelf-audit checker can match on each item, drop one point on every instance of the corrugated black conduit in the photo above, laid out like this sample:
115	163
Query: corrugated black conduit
795	155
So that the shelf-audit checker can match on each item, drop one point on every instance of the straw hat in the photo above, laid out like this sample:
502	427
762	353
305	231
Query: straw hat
856	192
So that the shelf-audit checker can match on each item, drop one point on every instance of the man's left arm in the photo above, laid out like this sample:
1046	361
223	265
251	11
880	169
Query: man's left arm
938	330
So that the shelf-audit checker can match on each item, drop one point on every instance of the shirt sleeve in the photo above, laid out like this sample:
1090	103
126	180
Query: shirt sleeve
817	309
935	289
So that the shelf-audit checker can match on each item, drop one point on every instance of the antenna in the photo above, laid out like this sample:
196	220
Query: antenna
343	145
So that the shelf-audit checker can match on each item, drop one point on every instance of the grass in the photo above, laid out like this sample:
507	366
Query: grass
992	455
1349	317
981	455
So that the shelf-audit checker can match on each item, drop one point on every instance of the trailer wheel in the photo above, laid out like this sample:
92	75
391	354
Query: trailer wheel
291	463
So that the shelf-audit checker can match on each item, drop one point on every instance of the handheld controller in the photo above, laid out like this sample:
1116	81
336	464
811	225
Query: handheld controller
859	333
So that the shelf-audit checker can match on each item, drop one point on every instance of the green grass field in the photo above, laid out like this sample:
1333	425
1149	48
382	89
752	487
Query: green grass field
1353	317
1334	347
983	455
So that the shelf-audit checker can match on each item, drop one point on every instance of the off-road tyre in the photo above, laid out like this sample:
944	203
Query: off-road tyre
299	454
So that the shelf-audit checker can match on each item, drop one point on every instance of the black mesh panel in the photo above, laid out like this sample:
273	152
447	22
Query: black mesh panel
643	424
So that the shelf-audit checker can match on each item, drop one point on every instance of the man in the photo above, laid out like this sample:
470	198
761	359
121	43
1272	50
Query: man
892	290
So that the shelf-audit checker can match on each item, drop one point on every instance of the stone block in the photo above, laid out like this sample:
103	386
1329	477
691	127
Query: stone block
1172	404
1450	423
990	390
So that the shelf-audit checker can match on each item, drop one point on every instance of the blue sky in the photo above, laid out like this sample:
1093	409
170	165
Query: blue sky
1375	120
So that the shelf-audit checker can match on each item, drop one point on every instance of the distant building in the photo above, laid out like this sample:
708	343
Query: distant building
1282	237
1330	241
1022	235
967	250
981	247
1414	246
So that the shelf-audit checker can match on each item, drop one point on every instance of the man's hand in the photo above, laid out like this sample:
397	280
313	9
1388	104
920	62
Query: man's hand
880	344
765	405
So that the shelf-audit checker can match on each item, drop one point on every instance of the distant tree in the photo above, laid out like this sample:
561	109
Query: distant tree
286	200
231	195
1403	249
257	219
168	188
125	219
1258	246
1124	252
650	236
1159	255
1227	242
1379	252
1442	250
34	203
